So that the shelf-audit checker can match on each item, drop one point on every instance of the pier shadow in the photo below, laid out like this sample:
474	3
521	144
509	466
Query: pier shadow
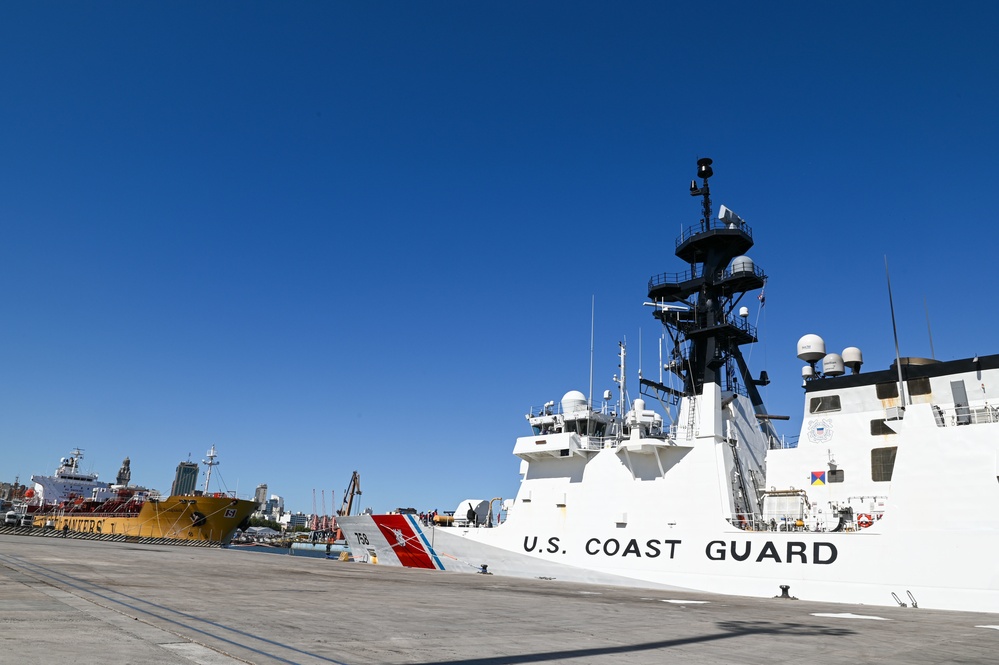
726	630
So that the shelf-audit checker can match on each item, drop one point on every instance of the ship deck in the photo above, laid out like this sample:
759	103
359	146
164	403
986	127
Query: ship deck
113	603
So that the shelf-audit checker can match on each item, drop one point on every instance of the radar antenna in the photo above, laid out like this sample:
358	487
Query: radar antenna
704	172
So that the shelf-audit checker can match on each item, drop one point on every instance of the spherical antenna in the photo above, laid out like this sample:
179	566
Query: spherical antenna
832	365
853	358
811	348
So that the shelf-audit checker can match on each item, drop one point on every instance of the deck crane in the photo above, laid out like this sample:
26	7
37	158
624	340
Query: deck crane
353	489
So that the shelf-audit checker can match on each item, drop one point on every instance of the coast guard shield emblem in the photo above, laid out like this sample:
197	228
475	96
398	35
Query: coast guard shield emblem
820	431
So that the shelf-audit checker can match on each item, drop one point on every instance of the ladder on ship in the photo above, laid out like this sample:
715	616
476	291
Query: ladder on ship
691	416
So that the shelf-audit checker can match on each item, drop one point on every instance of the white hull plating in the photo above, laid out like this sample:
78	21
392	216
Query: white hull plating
869	568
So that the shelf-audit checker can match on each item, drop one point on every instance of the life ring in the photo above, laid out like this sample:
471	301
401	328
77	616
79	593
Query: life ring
864	520
198	519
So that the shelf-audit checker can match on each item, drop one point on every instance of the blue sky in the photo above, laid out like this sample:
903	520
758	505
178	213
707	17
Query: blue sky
336	236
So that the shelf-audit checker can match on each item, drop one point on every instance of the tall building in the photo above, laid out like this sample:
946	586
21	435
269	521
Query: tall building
124	473
261	495
185	480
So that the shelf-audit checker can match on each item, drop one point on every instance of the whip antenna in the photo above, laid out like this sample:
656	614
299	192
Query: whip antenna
593	307
894	332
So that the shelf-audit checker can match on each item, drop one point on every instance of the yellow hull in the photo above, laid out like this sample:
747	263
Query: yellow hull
211	519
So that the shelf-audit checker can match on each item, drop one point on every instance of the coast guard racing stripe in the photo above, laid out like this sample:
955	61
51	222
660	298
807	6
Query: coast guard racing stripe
407	541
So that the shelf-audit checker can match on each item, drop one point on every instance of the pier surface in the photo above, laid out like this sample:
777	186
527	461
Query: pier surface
78	601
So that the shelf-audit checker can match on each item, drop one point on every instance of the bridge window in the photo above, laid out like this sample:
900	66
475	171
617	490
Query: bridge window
882	463
919	386
586	427
887	390
824	403
835	476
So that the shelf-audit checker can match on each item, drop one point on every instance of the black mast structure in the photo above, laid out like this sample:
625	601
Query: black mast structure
698	306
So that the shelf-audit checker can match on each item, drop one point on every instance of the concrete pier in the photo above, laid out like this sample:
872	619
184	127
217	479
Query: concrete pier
77	601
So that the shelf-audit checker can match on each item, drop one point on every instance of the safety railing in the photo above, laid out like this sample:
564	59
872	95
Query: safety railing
960	414
714	225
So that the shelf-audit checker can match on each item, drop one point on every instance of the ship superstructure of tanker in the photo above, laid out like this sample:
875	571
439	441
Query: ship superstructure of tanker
888	496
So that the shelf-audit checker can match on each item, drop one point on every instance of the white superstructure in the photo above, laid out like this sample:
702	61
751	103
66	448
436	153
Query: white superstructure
69	482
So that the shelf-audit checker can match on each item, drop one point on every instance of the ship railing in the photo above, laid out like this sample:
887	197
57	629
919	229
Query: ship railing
733	385
555	408
741	270
778	443
742	324
715	224
772	522
597	442
749	522
961	414
675	277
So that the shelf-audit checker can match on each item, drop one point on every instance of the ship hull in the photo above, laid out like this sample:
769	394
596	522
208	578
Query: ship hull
207	519
876	566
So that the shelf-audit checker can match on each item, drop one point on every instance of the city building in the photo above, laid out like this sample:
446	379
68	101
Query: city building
260	496
297	519
186	479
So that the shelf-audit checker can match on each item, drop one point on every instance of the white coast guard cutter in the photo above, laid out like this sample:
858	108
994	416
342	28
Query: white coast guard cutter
891	494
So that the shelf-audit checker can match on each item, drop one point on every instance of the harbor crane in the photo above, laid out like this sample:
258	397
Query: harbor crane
346	508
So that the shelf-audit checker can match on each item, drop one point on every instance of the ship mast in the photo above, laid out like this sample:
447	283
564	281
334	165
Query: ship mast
210	462
697	306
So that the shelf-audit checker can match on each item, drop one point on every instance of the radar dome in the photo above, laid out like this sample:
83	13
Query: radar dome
573	401
832	365
741	264
853	358
807	372
811	348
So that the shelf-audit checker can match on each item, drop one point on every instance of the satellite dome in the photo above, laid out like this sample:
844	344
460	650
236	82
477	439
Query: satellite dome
811	348
853	358
741	264
832	365
573	401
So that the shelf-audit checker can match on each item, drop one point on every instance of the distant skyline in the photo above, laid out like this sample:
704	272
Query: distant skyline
328	237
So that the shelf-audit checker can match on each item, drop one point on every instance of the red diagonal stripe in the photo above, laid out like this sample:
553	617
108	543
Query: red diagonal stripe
411	552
